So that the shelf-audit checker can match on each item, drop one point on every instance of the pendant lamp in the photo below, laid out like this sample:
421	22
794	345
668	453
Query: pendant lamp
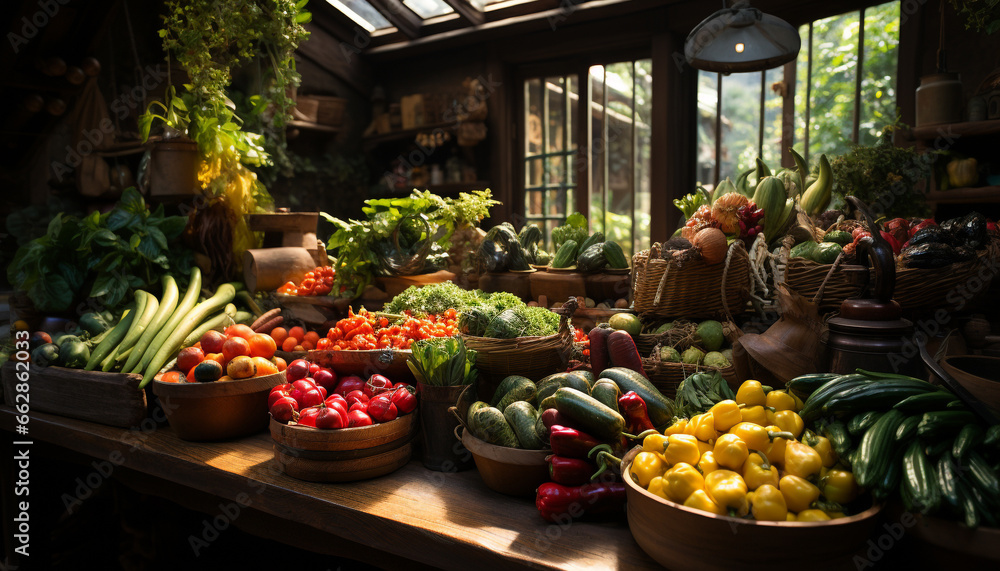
740	39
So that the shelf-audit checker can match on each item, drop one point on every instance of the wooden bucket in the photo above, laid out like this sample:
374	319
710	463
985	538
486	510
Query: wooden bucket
388	362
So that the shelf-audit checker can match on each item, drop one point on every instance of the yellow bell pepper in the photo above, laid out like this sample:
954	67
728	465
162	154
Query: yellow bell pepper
767	504
751	393
681	448
681	481
812	515
757	471
654	443
801	460
677	427
755	414
756	436
799	493
730	451
707	463
775	451
835	515
657	487
839	486
781	400
702	427
726	414
646	466
790	516
789	421
822	446
700	500
705	447
963	172
728	489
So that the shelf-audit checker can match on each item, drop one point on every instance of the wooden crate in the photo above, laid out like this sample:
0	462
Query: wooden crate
113	399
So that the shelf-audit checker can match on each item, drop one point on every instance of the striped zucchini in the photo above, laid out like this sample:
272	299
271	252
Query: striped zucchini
495	428
593	417
521	416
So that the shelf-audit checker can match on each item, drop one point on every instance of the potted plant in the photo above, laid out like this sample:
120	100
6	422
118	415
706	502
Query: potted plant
242	32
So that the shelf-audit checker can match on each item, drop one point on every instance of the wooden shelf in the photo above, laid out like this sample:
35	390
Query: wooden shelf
983	194
954	130
441	519
404	134
310	126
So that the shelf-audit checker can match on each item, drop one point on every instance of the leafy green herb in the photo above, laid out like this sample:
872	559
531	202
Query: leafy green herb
689	204
442	362
433	299
106	255
575	228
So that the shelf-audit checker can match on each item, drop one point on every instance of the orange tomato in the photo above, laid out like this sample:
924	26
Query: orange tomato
236	347
189	357
211	341
306	345
241	367
240	330
279	363
173	377
223	379
297	332
279	334
262	346
264	366
298	348
217	357
322	344
289	344
311	336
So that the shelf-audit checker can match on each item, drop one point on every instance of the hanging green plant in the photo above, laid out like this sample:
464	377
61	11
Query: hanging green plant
980	15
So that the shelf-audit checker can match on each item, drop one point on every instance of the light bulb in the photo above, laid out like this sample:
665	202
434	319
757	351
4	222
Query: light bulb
739	48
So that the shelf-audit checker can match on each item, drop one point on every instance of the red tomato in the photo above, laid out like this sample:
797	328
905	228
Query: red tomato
326	379
306	393
278	392
362	406
313	369
283	409
377	384
348	384
297	369
336	398
307	416
405	399
381	409
339	406
358	418
357	396
329	417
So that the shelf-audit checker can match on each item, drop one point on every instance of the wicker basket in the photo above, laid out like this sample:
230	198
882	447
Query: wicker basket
664	288
916	289
666	376
532	357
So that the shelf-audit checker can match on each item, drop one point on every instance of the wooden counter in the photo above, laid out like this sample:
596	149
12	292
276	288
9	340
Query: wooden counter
446	520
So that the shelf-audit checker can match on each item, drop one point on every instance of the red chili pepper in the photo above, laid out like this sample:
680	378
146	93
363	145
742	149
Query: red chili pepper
570	442
570	471
633	408
381	409
561	504
405	399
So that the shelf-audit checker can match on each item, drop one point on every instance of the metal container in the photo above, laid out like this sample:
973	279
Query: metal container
442	451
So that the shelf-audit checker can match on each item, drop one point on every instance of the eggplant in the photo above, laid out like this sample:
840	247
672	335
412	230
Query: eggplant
931	235
951	225
971	231
929	255
493	257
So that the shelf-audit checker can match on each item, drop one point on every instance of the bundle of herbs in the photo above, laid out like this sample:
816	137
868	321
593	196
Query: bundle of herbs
107	256
442	362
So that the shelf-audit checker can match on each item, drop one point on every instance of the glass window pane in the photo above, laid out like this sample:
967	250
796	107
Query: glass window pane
643	156
534	172
878	80
708	97
773	104
428	8
801	102
556	121
619	200
835	58
598	149
362	13
740	122
533	120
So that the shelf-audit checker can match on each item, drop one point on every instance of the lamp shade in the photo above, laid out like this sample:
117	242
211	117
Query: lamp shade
741	39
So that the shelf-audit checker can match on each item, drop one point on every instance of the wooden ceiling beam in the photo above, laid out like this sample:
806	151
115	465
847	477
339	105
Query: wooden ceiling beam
405	20
467	12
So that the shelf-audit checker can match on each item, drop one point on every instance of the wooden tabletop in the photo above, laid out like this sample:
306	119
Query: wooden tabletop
447	520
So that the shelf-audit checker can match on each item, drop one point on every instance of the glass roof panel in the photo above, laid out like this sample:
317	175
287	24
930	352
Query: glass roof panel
428	8
362	13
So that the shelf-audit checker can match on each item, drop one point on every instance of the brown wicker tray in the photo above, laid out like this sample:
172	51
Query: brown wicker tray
666	376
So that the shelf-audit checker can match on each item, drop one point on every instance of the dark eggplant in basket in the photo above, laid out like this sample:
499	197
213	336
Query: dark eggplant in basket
972	231
930	235
929	255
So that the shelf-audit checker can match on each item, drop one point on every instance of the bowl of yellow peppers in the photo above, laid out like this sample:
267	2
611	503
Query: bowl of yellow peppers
750	473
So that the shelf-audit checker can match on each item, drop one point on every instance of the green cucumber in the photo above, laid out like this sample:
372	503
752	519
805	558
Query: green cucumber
983	477
521	416
839	438
592	416
934	423
875	450
925	402
947	481
108	344
877	395
968	438
659	407
862	421
548	385
168	303
494	427
607	393
908	428
522	389
470	419
812	408
507	385
920	481
804	385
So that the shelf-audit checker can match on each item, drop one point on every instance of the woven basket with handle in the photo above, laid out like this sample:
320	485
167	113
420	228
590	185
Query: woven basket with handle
666	376
666	288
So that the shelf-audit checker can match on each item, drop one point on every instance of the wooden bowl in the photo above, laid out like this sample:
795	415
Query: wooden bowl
219	410
949	543
511	471
685	538
391	363
346	454
980	375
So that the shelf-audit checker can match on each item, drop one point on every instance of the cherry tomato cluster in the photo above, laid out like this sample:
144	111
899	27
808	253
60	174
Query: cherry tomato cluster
317	282
582	339
314	397
366	331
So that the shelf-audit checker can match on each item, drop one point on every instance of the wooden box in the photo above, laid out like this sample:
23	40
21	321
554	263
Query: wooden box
113	399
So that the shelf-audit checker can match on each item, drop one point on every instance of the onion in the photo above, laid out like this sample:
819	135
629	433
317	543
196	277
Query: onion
711	242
